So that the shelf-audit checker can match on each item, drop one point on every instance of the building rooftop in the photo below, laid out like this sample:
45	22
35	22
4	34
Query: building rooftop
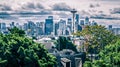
65	60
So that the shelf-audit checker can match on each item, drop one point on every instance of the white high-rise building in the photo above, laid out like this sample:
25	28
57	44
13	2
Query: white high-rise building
62	27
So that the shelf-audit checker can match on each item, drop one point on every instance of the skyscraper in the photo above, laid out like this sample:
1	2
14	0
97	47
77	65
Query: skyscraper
62	27
12	24
56	28
2	27
76	22
82	22
49	25
69	21
77	18
86	21
69	25
25	27
31	28
39	28
110	27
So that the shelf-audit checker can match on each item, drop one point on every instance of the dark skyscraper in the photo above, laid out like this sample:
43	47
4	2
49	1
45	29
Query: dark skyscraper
77	21
56	28
69	21
110	27
31	28
69	25
2	27
12	24
81	22
77	18
79	28
49	25
86	21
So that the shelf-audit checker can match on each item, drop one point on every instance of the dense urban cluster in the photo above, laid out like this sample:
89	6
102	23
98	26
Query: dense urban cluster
49	26
74	42
52	28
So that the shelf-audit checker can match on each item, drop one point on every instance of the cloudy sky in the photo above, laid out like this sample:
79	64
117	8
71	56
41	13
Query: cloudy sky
105	12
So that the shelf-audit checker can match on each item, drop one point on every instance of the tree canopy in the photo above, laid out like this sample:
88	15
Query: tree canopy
17	31
96	37
65	43
16	50
109	57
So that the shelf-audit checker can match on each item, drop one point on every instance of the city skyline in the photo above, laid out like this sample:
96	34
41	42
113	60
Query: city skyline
103	11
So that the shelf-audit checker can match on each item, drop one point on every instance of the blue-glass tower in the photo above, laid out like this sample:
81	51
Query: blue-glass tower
48	25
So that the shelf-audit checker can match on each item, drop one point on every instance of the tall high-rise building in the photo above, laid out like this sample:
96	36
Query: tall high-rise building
77	18
82	22
56	28
39	28
79	28
2	27
62	27
110	27
25	27
69	21
31	28
86	21
12	24
76	22
49	25
69	25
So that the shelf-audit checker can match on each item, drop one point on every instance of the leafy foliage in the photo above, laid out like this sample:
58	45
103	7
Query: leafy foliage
17	31
65	43
96	38
16	50
109	57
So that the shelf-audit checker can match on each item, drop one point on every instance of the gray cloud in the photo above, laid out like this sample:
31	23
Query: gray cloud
30	6
14	14
61	7
5	7
103	16
94	5
63	15
115	11
5	15
43	12
83	12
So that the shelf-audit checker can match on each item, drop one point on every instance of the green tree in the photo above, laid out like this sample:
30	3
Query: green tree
96	38
109	57
16	50
65	43
17	31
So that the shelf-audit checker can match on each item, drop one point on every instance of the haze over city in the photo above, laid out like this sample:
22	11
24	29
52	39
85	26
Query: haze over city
104	12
